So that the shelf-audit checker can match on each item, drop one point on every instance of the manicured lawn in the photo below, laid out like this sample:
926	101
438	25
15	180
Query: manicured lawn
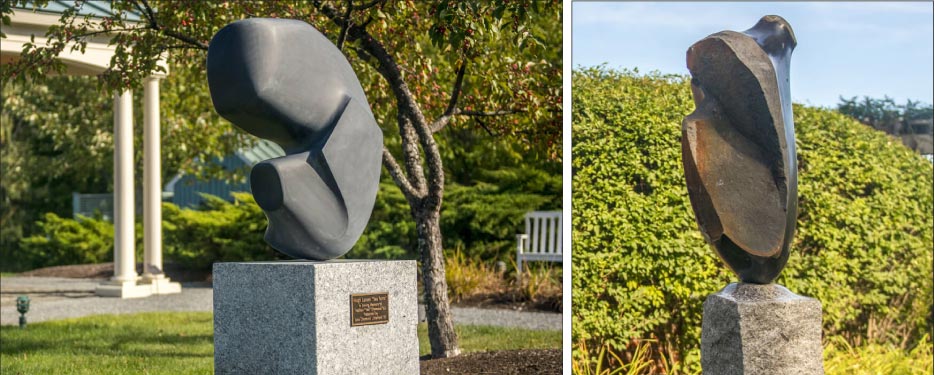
487	338
174	343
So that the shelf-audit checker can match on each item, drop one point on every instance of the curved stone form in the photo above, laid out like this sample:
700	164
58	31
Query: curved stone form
284	81
738	147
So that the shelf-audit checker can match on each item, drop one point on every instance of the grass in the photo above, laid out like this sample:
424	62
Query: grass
488	338
843	359
7	274
840	358
175	343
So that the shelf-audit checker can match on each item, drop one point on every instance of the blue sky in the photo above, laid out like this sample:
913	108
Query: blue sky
844	48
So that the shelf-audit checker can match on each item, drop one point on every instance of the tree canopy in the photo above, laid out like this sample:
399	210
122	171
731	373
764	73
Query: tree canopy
884	114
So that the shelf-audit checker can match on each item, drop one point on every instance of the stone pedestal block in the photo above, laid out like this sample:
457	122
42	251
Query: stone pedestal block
760	329
305	317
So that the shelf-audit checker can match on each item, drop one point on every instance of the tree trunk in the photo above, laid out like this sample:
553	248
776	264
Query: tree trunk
442	336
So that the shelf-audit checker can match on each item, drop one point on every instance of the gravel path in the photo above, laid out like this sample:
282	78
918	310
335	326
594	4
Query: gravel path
60	298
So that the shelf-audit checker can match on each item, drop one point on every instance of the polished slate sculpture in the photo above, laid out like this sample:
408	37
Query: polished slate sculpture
284	81
738	147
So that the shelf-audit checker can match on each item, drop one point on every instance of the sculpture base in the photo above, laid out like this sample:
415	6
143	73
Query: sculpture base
333	317
761	329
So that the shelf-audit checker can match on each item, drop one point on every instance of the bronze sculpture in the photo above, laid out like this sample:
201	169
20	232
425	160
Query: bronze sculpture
738	147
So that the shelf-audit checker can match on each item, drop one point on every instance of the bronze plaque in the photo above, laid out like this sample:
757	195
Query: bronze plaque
371	308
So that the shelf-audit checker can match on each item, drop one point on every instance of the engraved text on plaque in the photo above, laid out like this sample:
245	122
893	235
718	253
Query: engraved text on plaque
371	308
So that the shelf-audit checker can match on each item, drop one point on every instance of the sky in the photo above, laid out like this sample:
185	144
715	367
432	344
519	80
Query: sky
844	48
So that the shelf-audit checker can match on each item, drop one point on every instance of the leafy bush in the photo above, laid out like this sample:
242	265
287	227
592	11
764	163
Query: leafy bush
485	218
220	231
466	276
864	241
642	269
482	219
67	241
474	280
391	233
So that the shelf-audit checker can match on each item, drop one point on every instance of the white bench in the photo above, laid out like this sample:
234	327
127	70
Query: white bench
542	240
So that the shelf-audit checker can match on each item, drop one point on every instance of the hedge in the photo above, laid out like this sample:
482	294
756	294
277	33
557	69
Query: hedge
481	220
641	269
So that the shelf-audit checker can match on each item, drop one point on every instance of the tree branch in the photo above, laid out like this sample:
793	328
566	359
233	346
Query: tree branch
153	24
187	39
484	126
411	153
445	119
178	46
389	162
368	5
456	91
389	69
93	33
491	113
347	23
150	15
436	182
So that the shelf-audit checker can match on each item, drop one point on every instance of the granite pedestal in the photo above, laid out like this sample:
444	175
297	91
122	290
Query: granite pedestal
760	329
295	317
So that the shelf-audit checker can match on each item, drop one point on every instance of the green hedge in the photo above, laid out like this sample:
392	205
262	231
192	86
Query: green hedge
67	241
219	231
642	269
481	219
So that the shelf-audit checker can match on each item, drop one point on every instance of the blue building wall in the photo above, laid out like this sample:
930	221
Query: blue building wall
188	188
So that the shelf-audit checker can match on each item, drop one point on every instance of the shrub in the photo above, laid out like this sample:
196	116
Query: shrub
466	277
482	219
390	233
485	218
642	269
864	242
475	281
67	241
220	231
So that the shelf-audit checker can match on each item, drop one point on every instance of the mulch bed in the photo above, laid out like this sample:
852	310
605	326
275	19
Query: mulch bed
106	270
504	301
506	362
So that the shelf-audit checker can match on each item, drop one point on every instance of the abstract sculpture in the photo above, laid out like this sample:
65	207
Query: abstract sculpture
284	81
738	147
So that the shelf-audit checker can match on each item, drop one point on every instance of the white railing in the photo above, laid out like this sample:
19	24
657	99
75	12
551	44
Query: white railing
542	240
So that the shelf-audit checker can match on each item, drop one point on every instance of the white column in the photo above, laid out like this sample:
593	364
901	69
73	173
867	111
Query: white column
124	262
152	181
152	193
124	283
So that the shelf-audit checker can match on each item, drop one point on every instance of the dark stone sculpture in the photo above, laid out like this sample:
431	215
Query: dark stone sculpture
284	81
738	147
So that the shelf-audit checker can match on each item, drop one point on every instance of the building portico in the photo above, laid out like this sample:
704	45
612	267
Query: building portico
27	25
